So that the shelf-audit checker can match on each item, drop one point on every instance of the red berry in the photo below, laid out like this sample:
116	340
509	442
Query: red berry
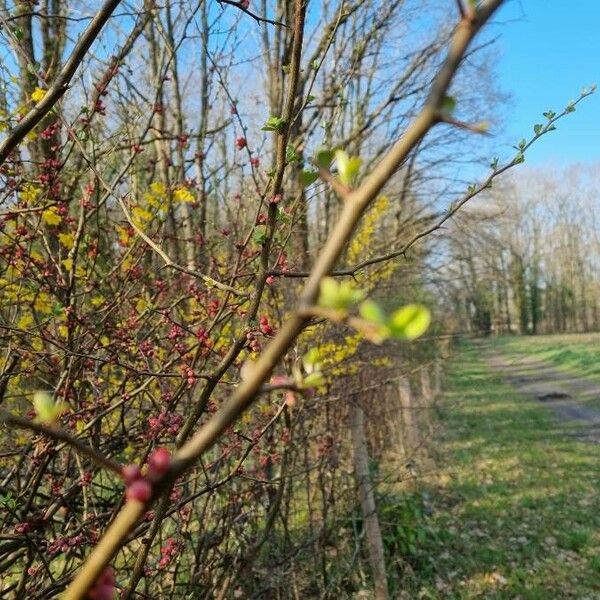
102	592
107	577
104	588
158	463
22	527
290	399
241	143
139	490
265	327
131	473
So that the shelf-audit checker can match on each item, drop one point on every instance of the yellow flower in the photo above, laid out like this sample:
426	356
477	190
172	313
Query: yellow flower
123	235
67	240
158	188
25	321
43	303
29	193
365	235
152	200
182	194
127	263
51	216
68	264
140	215
38	94
141	305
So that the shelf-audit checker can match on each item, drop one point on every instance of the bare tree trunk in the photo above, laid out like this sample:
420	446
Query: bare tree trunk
202	128
186	216
437	377
409	417
367	502
426	384
391	404
427	400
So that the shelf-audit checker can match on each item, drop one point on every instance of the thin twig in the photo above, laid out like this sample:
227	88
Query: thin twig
61	84
61	435
354	207
256	17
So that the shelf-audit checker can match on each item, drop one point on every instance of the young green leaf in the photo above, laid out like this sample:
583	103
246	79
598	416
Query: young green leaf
311	360
274	124
371	311
313	380
47	411
338	296
307	178
292	155
348	166
260	235
324	158
409	322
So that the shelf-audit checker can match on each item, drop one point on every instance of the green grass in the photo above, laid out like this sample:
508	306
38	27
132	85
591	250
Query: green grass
575	353
516	510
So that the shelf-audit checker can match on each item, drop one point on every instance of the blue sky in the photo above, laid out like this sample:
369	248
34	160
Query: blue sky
550	49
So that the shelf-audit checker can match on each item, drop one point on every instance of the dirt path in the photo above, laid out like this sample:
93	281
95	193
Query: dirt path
563	393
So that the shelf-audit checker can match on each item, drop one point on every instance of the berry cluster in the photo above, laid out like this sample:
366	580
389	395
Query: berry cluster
139	487
64	543
168	422
104	588
265	326
168	552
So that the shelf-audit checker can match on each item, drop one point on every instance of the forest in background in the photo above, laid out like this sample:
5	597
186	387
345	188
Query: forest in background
524	259
186	396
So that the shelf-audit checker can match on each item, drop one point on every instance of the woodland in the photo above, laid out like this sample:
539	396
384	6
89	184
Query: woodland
239	240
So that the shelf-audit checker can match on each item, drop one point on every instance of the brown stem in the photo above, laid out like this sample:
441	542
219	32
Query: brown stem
61	84
62	436
354	207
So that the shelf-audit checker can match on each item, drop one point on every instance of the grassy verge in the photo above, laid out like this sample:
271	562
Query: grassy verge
576	353
516	510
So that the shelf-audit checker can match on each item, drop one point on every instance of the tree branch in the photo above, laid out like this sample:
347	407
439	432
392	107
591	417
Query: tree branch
62	436
354	207
61	84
